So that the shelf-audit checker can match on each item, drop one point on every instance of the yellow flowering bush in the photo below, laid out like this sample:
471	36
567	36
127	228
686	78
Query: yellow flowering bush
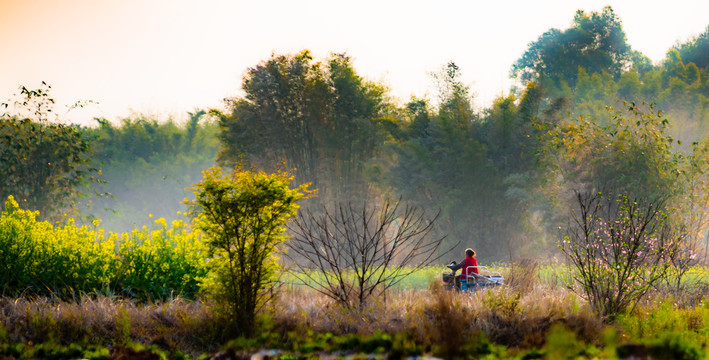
160	263
38	258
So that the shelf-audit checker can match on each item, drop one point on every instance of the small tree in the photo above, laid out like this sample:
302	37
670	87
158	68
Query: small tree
45	165
350	254
243	215
619	249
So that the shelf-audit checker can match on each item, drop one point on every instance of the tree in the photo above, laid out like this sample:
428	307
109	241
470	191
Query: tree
321	118
595	42
443	165
45	165
696	50
480	171
351	254
620	249
631	155
243	215
694	204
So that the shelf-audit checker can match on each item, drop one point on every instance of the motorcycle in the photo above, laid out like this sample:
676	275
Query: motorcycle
469	283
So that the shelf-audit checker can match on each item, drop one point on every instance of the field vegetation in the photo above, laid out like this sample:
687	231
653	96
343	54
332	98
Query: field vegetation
528	318
312	216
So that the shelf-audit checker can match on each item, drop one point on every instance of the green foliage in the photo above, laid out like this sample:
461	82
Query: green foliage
562	344
478	170
696	50
69	260
46	166
591	67
160	263
320	118
631	155
595	42
635	156
650	322
36	257
677	86
430	166
52	350
667	331
243	215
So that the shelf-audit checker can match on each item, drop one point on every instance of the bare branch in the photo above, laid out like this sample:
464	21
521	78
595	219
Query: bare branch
350	253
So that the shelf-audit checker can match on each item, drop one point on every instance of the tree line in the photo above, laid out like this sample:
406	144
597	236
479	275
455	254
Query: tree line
588	113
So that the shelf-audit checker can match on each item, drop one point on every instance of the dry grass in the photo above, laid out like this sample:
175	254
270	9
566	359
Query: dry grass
523	276
443	321
179	324
515	316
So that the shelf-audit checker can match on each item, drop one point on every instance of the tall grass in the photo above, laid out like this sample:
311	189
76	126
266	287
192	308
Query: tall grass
434	315
526	318
187	325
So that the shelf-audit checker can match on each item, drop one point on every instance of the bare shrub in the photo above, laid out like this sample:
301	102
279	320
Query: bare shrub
353	254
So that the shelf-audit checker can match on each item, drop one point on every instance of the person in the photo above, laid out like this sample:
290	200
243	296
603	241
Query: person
466	266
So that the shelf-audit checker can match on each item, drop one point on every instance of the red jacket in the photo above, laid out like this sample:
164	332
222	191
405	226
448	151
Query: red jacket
468	261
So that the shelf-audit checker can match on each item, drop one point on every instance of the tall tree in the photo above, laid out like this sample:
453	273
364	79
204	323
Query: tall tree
595	42
631	156
696	50
444	164
321	118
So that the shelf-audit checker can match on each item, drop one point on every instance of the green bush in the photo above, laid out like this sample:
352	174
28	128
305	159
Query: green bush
160	263
38	258
243	215
676	346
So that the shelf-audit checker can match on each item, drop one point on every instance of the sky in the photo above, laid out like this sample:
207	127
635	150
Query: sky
166	57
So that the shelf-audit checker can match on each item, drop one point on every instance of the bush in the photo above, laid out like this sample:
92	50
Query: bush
619	249
45	165
160	263
354	254
38	258
243	215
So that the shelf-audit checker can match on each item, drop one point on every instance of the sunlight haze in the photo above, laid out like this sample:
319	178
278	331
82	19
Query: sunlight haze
168	57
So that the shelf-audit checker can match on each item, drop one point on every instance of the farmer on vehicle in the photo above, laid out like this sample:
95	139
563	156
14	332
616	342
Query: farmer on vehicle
466	266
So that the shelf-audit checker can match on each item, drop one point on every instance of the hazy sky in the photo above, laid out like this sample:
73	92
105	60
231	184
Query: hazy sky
172	56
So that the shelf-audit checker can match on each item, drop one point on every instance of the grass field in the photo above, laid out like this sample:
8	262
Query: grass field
531	317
